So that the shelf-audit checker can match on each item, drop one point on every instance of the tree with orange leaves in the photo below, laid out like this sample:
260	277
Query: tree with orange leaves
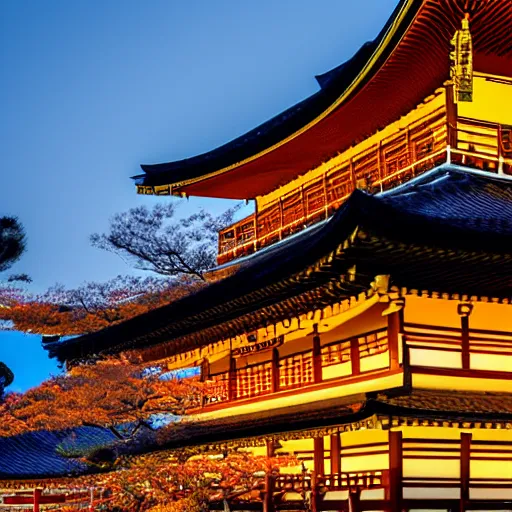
105	394
90	307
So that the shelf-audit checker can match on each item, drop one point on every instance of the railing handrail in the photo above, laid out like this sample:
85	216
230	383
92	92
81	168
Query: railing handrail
355	336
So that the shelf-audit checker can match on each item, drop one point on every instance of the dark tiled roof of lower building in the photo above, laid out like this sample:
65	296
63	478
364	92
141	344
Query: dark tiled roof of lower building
50	453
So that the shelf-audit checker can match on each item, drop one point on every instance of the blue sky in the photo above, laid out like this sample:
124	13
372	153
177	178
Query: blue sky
91	89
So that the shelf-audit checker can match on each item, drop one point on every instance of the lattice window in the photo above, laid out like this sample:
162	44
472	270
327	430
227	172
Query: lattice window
296	370
336	353
315	198
339	185
372	344
366	169
254	380
292	209
217	388
269	220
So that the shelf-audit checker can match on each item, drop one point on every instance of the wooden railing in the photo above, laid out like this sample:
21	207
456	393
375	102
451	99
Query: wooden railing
296	370
457	348
480	145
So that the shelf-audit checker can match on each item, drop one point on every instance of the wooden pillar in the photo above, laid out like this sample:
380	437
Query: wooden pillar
355	360
205	370
275	370
394	328
37	499
335	453
270	448
355	500
317	357
268	500
315	498
318	455
465	456
395	470
464	310
232	378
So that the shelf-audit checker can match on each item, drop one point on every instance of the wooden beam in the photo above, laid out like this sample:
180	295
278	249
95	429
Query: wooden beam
395	469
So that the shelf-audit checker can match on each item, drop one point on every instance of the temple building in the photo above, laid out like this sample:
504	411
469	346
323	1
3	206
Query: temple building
361	318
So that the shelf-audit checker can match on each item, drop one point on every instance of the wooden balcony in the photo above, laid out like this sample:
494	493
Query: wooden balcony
431	350
477	144
458	486
344	359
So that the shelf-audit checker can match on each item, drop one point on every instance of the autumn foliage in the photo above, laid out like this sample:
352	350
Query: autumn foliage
107	393
90	307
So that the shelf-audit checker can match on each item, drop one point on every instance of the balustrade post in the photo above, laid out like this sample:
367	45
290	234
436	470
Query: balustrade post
465	456
464	310
275	370
317	358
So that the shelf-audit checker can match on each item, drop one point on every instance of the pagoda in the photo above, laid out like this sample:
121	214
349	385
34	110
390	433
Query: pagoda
361	318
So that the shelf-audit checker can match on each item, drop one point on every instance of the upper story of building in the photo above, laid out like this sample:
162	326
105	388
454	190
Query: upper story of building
434	86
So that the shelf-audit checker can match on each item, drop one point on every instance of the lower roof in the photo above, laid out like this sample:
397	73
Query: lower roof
448	231
39	454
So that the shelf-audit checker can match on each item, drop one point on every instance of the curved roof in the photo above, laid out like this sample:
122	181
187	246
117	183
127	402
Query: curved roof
447	231
407	61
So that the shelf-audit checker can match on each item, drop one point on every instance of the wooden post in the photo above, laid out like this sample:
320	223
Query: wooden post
317	357
232	379
275	370
314	493
394	328
268	500
465	456
354	356
355	500
465	342
318	455
37	499
464	310
335	453
205	370
395	470
270	448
